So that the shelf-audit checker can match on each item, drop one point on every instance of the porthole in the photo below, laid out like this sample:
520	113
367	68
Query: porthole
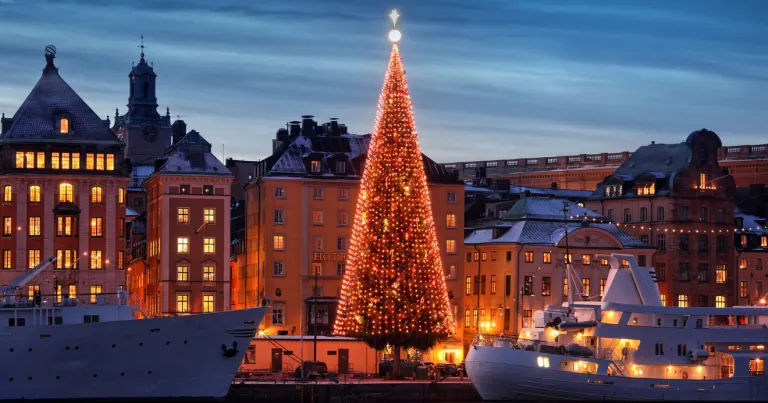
10	379
141	344
11	350
167	343
185	342
30	349
58	377
30	378
95	375
149	372
114	345
67	348
122	374
77	348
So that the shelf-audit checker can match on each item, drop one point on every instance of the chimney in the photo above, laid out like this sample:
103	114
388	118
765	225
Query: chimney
294	128
334	127
553	186
179	130
307	125
6	123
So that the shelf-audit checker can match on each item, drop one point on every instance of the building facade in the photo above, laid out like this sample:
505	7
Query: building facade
182	266
678	198
751	259
300	209
515	265
63	194
747	164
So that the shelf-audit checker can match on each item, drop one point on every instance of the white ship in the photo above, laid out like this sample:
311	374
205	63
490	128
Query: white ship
627	347
77	351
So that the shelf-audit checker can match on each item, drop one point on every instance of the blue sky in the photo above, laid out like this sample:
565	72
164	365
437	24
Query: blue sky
489	79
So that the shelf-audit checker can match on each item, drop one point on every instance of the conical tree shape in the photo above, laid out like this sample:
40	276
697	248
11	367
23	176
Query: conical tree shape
394	288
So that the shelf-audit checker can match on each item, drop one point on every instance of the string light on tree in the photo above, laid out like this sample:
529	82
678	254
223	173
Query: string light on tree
394	291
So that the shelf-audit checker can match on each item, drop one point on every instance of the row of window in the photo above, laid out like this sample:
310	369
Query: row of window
744	290
182	244
182	272
743	263
763	240
477	284
65	259
318	194
684	215
65	226
182	303
65	161
684	273
182	215
66	194
684	302
477	317
69	291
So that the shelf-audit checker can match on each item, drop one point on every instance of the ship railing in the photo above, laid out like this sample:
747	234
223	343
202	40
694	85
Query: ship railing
23	300
520	343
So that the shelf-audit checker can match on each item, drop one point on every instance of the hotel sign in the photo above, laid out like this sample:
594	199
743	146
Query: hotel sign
323	256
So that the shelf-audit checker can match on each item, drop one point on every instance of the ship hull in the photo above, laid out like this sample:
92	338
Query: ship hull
505	374
168	357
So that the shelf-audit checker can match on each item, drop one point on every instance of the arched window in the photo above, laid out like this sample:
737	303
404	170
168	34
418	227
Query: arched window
34	194
65	193
121	195
64	126
97	194
7	193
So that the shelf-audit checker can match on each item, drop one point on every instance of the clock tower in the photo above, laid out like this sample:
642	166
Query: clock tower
145	132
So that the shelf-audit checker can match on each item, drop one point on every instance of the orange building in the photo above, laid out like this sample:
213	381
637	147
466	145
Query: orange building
515	265
747	164
752	257
299	213
183	264
63	194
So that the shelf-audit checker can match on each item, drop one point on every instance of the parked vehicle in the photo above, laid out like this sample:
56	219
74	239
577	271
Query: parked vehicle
448	369
312	370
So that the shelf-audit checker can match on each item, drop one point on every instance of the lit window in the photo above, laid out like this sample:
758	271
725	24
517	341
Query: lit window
97	194
121	195
95	292
97	226
7	226
72	291
99	162
315	167
182	244
182	214
742	263
542	362
96	261
209	216
528	257
40	160
110	162
182	303
32	290
66	259
7	261
720	301
75	160
450	246
663	300
182	273
547	257
65	161
468	285
317	217
586	259
764	241
121	227
209	245
55	159
209	273
568	258
278	242
65	193
682	301
66	226
720	274
34	258
450	220
317	269
207	303
64	126
34	194
120	260
19	159
34	226
7	193
30	157
89	158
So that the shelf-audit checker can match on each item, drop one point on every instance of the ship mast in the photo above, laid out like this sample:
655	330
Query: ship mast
567	259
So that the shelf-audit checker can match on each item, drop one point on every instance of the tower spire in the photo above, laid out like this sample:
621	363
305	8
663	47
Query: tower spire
142	48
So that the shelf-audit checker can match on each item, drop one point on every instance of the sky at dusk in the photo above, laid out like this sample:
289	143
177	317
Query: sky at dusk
488	79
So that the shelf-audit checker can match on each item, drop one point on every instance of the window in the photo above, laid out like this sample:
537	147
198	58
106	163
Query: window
742	263
610	215
703	243
759	264
627	215
66	226
209	215
278	242
65	193
208	190
89	161
41	160
278	269
468	285
343	194
317	269
684	242
450	246
703	215
182	303
720	301
474	317
586	260
528	257
507	285
547	257
95	292
279	216
182	273
603	281
663	300
7	261
568	258
684	212
585	290
64	126
341	268
182	244
30	157
659	213
720	243
317	242
120	260
279	193
743	240
493	255
528	285
661	272
451	197
450	220
96	260
99	162
7	193
34	257
343	218
96	227
341	243
641	260
209	245
208	303
317	193
703	273
66	259
121	195
743	289
450	273
317	217
720	274
110	162
646	189
34	226
209	272
565	286
661	242
493	284
684	272
546	286
703	181
34	194
7	226
19	159
467	318
643	214
682	301
315	167
184	189
703	301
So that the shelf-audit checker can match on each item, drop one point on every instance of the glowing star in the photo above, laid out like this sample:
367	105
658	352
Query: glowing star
394	34
394	15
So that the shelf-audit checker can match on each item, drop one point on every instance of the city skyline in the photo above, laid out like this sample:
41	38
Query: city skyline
545	78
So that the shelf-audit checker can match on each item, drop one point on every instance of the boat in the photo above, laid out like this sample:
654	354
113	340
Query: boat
60	349
626	347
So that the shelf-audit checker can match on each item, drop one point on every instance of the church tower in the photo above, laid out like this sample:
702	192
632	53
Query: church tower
145	132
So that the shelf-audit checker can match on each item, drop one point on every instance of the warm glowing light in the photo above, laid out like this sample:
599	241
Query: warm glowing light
762	301
394	16
261	332
699	368
395	35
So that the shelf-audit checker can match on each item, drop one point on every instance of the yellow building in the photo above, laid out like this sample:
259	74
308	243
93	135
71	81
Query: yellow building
300	209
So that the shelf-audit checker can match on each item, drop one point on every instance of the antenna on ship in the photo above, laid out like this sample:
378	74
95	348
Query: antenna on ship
567	259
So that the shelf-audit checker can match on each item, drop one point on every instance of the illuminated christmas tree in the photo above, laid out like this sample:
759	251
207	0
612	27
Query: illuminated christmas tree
394	288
